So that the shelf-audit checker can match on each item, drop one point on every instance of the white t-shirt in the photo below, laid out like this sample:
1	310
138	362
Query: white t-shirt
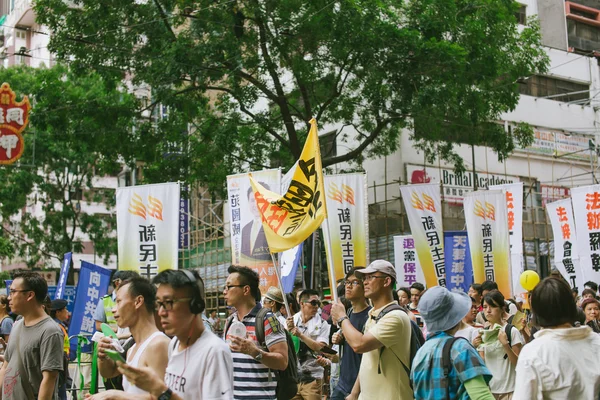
503	371
560	364
469	333
203	371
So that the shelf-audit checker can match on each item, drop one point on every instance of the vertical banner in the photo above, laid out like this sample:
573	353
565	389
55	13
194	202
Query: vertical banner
347	204
148	228
64	273
184	220
487	226
249	245
459	271
424	211
68	295
289	261
566	254
514	206
408	269
586	209
93	284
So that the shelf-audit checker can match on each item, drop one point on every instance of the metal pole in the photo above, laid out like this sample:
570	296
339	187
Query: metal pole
330	266
312	261
474	176
278	272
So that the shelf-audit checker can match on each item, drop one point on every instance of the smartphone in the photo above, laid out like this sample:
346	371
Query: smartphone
114	355
328	350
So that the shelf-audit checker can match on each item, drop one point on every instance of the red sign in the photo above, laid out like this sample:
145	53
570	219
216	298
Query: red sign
14	117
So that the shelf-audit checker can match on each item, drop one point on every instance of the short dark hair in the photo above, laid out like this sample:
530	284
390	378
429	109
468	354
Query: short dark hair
139	286
247	277
417	285
34	282
352	272
489	285
592	285
125	275
552	303
574	290
495	298
4	300
477	287
405	290
179	280
588	291
307	293
293	303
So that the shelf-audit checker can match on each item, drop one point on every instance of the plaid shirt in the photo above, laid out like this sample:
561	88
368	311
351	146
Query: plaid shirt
427	373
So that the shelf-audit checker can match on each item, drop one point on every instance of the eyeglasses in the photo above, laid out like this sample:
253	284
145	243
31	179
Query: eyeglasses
314	303
228	287
13	291
352	283
168	304
370	277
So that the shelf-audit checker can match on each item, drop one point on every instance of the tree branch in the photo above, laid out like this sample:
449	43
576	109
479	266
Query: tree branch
164	19
336	92
365	143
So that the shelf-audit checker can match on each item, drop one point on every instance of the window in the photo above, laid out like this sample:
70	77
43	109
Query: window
542	86
328	144
521	15
583	31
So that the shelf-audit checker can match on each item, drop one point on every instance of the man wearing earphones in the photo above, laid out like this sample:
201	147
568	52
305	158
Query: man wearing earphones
200	364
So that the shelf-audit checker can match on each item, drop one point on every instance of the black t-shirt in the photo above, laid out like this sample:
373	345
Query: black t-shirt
350	363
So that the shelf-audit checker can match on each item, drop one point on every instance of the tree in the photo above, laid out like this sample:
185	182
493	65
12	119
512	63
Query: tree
249	75
80	130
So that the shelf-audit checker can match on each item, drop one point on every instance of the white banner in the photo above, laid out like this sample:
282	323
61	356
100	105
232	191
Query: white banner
148	228
566	255
586	209
424	211
486	218
408	268
514	206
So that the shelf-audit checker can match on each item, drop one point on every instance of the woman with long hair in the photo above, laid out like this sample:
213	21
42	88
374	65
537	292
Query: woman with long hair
6	322
591	309
499	351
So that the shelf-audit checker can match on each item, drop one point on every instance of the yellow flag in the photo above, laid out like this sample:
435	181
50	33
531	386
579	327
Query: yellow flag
290	218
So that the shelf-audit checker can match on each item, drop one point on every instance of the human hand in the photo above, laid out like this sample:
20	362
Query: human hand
106	395
337	338
477	341
503	338
144	378
337	311
290	323
322	361
243	345
104	344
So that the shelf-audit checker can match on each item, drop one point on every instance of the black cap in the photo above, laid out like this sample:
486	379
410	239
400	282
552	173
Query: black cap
58	304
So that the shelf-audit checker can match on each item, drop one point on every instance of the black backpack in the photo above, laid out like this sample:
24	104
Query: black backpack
287	380
416	339
447	362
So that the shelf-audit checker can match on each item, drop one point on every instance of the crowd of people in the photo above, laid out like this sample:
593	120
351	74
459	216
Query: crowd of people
375	342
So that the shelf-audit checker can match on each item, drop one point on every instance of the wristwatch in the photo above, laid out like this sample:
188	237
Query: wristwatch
166	395
259	356
341	320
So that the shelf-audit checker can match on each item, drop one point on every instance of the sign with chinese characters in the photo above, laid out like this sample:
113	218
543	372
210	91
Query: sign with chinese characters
348	221
14	117
554	193
459	272
455	186
514	207
64	273
560	144
148	228
249	247
184	221
92	286
566	254
290	218
424	211
68	295
586	210
486	218
408	268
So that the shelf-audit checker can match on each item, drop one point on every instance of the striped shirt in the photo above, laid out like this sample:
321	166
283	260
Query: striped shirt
252	380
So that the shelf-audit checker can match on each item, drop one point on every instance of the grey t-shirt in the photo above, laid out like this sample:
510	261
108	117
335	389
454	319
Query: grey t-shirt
41	349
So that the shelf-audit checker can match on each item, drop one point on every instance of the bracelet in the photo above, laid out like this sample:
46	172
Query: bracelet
341	320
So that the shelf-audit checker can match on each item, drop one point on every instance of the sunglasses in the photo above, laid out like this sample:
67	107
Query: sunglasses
314	303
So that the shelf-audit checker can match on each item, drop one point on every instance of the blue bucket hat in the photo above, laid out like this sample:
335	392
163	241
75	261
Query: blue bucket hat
442	309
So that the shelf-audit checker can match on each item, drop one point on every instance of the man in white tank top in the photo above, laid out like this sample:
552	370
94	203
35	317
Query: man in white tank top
134	309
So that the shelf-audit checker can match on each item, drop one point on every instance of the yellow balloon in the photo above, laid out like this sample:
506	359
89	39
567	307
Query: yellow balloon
529	280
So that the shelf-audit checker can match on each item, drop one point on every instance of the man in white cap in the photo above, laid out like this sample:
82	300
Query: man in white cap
447	367
274	301
385	345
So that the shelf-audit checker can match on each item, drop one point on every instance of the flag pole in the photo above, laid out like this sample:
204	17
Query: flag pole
278	272
329	253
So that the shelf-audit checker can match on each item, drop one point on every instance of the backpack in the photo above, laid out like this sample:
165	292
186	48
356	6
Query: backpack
508	331
447	362
287	380
416	339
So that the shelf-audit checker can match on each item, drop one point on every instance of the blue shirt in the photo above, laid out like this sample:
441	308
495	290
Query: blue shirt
350	363
427	372
6	326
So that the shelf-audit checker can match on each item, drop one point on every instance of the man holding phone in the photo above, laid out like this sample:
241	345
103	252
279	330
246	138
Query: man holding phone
134	309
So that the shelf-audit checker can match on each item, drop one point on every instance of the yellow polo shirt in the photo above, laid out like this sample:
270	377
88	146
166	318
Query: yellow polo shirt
393	331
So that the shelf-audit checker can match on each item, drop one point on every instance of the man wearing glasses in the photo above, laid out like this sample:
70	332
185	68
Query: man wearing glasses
313	333
34	355
253	361
385	345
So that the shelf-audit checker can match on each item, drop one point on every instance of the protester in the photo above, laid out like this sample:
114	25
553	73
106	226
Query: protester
200	365
6	322
60	315
468	376
468	328
476	293
591	285
385	345
563	362
357	316
253	361
29	374
416	289
588	294
207	324
134	309
498	350
313	333
404	296
214	321
591	309
274	301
